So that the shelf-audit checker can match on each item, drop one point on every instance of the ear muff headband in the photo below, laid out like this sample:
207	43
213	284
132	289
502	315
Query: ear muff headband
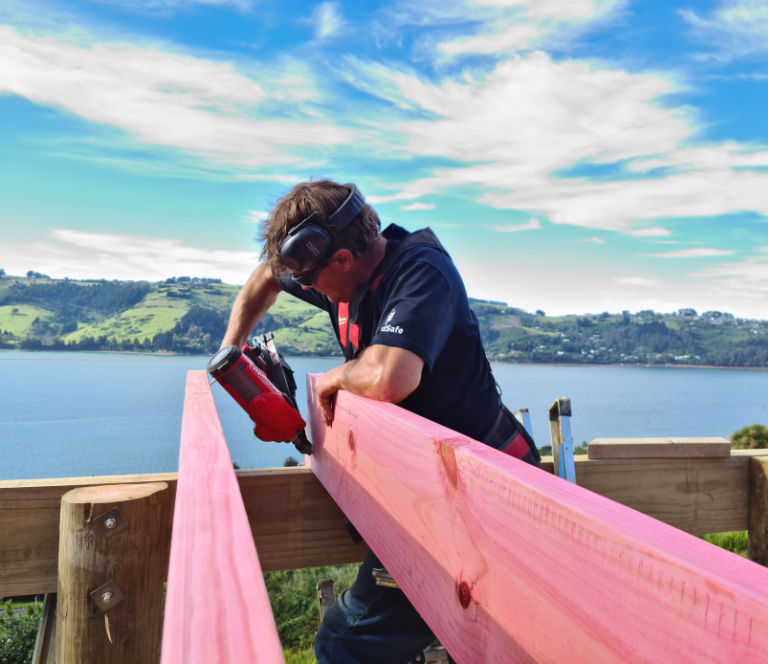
307	244
349	209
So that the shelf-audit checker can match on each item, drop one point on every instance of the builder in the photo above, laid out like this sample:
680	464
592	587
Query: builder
400	311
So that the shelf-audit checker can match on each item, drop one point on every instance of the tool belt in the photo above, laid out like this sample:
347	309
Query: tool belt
510	437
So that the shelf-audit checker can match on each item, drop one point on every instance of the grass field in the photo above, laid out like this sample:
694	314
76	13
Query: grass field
19	323
138	322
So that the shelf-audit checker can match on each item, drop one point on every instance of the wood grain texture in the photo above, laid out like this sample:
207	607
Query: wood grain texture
510	564
217	608
129	632
294	522
757	549
655	448
697	495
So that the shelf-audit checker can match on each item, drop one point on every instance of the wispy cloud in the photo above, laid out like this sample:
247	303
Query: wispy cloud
594	239
655	231
506	27
174	5
81	255
530	225
645	282
161	98
327	20
735	29
696	252
418	206
255	216
573	113
744	283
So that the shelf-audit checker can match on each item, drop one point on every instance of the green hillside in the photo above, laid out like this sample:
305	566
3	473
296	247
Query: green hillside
184	315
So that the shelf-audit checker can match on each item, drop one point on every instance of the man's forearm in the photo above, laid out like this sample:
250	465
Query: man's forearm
382	373
368	379
254	300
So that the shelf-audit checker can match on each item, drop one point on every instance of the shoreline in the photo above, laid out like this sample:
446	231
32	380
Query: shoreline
166	353
629	366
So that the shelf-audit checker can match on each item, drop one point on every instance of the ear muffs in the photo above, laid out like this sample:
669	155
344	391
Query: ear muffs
308	244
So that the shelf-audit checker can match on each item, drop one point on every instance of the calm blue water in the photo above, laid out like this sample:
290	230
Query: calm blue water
75	414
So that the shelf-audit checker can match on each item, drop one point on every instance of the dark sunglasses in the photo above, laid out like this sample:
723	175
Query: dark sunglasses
309	278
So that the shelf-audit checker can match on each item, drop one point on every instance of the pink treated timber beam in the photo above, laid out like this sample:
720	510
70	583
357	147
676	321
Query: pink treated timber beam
507	563
217	609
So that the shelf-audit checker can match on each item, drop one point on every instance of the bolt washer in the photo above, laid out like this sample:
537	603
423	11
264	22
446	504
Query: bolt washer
114	513
98	596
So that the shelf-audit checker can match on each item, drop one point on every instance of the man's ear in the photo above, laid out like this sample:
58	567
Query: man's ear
343	260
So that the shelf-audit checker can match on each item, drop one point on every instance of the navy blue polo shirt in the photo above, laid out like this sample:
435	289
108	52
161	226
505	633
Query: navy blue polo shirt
421	305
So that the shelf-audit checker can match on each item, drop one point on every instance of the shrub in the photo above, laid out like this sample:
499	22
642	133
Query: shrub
293	595
18	632
753	437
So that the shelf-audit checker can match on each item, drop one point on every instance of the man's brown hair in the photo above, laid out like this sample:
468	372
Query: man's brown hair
325	196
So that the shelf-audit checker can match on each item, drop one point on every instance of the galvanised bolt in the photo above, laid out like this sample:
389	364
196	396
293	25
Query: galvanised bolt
110	522
108	596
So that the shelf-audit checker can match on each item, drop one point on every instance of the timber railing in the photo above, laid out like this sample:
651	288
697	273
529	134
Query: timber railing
504	562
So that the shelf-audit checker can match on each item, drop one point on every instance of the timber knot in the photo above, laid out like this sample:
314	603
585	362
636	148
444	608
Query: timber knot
465	594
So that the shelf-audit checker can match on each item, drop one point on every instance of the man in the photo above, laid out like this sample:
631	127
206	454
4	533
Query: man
400	311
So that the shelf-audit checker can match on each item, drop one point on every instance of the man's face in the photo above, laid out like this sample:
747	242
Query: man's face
335	280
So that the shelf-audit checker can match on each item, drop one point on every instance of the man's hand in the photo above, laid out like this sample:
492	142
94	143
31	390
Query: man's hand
326	389
383	373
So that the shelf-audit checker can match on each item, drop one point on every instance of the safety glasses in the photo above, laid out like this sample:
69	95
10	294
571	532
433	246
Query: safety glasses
309	277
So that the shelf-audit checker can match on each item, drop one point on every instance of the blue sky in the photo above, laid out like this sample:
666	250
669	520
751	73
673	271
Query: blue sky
573	155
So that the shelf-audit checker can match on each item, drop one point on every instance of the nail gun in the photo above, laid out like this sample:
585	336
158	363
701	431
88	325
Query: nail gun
260	380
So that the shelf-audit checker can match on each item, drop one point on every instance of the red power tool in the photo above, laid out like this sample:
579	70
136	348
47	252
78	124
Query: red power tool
260	380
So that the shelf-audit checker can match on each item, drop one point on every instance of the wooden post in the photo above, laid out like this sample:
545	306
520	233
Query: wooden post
45	643
127	548
326	596
758	510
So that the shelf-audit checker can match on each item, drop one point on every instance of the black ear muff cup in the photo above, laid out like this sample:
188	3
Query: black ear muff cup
305	248
309	244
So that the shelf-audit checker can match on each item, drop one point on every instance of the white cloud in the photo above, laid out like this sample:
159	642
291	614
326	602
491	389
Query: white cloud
508	26
645	282
531	118
530	225
255	216
81	255
735	29
655	231
743	285
418	206
166	5
327	20
594	239
205	108
696	252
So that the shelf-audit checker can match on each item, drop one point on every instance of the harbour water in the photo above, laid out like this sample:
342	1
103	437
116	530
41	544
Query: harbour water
77	414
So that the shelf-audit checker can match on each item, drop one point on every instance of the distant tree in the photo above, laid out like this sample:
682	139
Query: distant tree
14	312
290	462
30	274
753	437
539	312
2	273
625	317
